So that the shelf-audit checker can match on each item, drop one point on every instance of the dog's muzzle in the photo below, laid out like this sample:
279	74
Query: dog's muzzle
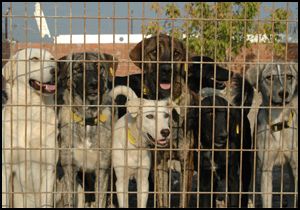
165	76
159	142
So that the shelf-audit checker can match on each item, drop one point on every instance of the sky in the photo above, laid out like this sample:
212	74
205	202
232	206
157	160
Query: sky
59	21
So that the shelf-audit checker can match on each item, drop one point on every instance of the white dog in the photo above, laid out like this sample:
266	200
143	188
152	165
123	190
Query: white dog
277	134
146	124
29	130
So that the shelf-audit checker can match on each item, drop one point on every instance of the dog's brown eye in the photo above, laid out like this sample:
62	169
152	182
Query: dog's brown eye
150	116
153	52
268	77
176	54
166	115
34	58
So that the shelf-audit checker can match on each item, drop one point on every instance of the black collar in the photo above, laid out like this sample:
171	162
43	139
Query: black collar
279	126
282	125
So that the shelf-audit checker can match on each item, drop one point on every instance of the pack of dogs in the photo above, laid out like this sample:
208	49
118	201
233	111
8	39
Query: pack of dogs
67	122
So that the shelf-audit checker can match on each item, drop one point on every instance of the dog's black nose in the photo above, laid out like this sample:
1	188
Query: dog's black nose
222	137
52	71
223	134
281	95
165	132
93	83
165	67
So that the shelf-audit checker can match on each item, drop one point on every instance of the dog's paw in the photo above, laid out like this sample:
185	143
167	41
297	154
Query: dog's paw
250	203
220	204
174	165
93	205
111	205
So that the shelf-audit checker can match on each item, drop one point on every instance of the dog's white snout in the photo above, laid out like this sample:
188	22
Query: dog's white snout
165	133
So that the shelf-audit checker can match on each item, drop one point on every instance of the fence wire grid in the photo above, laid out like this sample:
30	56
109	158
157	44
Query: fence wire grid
202	125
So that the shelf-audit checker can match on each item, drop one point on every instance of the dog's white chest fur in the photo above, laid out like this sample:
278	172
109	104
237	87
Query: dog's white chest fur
279	143
84	156
132	157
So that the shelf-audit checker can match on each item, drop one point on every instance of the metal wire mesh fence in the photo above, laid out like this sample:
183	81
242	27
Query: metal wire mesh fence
195	109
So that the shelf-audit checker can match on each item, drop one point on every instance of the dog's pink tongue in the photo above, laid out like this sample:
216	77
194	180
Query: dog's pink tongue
162	141
165	86
50	88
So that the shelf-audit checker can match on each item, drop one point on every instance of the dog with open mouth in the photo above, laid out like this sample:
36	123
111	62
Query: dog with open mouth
84	125
162	60
276	137
163	69
29	130
147	124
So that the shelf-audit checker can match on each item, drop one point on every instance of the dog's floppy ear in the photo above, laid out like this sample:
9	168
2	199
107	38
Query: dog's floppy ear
294	67
112	66
63	69
133	107
175	106
222	73
9	70
136	53
254	73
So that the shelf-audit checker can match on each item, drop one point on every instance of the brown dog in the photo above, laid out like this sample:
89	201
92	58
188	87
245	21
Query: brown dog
162	60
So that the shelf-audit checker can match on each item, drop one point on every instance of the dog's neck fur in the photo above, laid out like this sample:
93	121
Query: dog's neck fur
138	134
277	115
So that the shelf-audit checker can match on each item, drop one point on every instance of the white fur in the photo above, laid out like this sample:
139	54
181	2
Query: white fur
134	160
28	132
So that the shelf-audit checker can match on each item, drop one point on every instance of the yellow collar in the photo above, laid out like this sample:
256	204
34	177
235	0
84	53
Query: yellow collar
88	121
111	72
145	90
131	138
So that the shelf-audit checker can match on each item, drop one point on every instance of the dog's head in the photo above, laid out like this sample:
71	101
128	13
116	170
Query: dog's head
154	119
277	81
206	71
162	59
87	74
34	67
215	116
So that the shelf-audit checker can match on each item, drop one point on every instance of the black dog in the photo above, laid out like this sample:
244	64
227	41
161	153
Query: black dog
204	74
237	135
